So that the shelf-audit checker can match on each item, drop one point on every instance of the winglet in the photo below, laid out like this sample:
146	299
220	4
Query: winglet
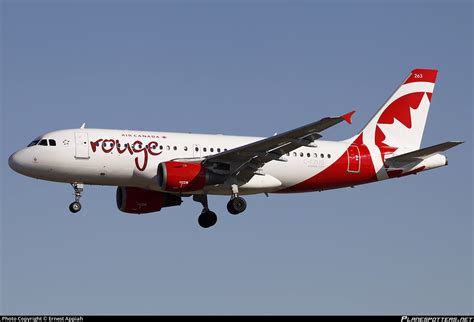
83	126
348	117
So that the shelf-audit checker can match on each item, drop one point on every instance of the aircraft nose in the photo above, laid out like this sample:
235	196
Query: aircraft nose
18	161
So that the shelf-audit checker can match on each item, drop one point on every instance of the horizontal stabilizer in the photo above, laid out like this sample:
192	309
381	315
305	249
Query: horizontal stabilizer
424	153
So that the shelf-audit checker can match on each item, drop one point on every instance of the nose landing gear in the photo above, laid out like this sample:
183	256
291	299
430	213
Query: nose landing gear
76	205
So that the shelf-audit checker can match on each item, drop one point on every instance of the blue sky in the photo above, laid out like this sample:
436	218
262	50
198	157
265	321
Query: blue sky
250	68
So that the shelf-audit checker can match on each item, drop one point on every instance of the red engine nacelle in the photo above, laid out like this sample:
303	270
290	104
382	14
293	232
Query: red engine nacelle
141	201
185	176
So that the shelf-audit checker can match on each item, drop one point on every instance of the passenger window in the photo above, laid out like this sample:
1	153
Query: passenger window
315	155
161	147
322	155
43	142
301	154
212	149
294	154
196	149
185	148
52	142
218	150
308	155
167	147
175	148
204	149
225	149
329	156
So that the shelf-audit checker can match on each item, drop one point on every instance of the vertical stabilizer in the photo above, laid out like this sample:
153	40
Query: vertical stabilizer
400	122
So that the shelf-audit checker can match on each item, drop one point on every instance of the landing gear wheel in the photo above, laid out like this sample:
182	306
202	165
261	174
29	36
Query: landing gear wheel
75	207
78	189
236	205
207	219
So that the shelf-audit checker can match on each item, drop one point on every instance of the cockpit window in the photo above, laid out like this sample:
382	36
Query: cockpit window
33	143
43	142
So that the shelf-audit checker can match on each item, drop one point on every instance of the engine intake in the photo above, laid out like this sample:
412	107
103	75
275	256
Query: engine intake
141	201
185	176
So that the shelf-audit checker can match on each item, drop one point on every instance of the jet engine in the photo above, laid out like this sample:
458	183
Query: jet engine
185	176
141	201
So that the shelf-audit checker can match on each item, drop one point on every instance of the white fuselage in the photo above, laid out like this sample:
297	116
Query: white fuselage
101	157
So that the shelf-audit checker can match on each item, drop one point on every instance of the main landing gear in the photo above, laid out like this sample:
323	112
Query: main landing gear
235	206
76	205
207	218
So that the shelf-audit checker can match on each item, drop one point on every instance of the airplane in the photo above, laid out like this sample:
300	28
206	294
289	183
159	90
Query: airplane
154	170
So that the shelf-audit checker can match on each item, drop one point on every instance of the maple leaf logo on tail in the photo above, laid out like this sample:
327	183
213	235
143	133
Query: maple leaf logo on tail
398	125
400	122
401	125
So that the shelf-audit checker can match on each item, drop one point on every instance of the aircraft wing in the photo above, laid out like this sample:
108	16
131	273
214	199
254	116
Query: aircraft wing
244	161
424	153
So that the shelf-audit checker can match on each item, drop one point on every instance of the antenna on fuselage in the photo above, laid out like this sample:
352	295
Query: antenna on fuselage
83	126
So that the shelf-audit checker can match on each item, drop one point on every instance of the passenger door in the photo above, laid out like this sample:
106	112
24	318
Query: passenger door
353	159
82	145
